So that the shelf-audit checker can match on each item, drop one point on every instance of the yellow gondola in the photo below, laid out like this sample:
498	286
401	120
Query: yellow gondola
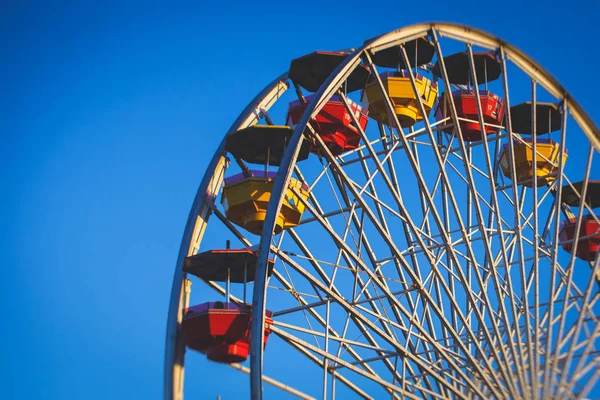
548	152
246	200
400	90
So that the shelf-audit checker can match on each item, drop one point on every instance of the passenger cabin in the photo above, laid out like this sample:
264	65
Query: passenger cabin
398	87
237	265
246	199
262	144
465	101
458	71
588	244
220	330
548	153
547	118
333	123
571	194
418	52
311	70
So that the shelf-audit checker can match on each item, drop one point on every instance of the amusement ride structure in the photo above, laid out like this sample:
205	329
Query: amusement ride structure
413	218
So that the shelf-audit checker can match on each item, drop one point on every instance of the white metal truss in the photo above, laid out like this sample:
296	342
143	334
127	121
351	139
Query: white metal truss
419	270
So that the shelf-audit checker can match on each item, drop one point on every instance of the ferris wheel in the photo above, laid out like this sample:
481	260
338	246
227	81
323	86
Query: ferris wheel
413	218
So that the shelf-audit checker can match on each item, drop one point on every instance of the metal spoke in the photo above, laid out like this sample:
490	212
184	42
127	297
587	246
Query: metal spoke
393	248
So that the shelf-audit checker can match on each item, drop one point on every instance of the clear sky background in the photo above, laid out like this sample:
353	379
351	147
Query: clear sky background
109	115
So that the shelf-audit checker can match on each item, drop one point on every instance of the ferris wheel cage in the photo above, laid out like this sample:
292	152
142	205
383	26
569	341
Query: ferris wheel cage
204	200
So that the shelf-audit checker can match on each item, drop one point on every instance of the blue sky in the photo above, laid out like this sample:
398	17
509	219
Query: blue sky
109	117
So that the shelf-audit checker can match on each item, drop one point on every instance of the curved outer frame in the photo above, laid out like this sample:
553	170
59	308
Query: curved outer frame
200	210
194	229
334	82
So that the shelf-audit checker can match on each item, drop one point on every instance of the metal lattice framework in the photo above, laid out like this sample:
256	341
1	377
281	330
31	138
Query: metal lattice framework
419	269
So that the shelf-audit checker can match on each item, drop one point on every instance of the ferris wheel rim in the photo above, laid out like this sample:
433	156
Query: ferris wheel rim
174	350
402	35
327	89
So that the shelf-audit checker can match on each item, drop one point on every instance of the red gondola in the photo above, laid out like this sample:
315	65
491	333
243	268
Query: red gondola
492	108
220	330
333	123
587	248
